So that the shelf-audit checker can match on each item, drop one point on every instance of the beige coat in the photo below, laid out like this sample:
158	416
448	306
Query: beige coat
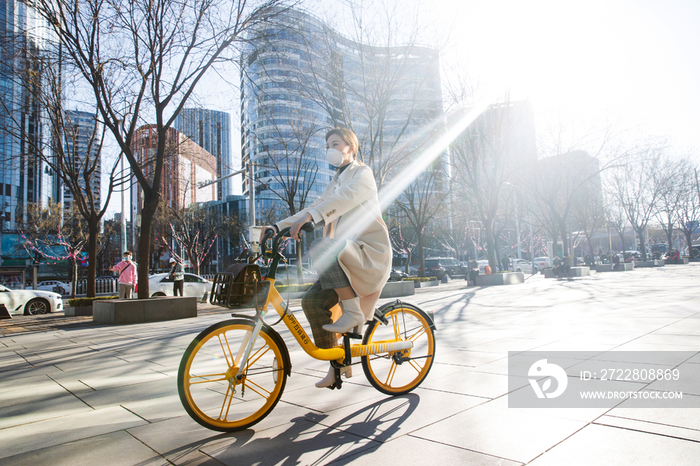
349	209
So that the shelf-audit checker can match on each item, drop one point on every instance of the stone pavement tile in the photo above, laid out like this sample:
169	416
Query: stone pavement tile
687	417
99	360
301	441
650	427
512	344
48	433
464	357
665	339
115	449
8	384
324	400
470	382
500	432
597	444
411	450
32	389
574	414
28	371
129	374
58	405
386	418
157	409
660	357
129	393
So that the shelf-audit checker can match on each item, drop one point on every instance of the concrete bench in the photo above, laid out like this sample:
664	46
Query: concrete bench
621	267
494	279
396	289
136	311
581	271
652	263
417	284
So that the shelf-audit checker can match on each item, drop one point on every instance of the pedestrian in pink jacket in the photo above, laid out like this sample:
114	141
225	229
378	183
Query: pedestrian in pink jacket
127	276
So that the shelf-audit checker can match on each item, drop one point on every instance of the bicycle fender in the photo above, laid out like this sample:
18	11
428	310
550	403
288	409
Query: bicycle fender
379	313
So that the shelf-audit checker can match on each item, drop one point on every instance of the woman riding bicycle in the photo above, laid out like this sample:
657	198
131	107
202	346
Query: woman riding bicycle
353	258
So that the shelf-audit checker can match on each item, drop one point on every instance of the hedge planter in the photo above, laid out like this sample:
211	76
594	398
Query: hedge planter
509	278
71	311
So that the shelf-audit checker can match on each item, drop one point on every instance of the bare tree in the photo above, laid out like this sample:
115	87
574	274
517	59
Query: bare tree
673	177
143	60
688	209
490	152
55	235
637	189
195	229
422	201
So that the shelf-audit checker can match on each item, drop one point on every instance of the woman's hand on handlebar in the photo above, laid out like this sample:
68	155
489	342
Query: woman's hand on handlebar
294	229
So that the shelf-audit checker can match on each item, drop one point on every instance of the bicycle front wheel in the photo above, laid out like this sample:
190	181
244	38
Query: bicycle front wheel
211	391
399	372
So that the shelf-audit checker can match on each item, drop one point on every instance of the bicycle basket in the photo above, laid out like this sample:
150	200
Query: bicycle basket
240	287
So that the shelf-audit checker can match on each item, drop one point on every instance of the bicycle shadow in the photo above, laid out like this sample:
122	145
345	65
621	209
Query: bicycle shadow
308	440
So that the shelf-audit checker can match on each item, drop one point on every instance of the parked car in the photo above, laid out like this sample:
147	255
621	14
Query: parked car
289	275
161	284
632	256
53	285
520	265
482	266
397	275
439	266
542	263
30	302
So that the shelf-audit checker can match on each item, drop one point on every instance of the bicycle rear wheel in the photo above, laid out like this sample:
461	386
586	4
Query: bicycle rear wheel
399	372
206	382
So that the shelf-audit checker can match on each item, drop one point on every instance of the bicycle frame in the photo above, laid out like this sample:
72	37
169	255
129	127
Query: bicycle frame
337	353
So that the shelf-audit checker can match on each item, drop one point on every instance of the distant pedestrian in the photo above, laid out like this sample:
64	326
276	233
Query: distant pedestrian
127	275
505	264
473	268
177	273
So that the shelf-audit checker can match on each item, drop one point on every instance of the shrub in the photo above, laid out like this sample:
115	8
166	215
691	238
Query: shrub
419	279
293	288
87	302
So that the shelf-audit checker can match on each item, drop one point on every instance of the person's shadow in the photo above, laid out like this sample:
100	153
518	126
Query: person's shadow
359	433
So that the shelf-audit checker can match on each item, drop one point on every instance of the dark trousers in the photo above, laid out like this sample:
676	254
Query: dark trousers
178	285
317	304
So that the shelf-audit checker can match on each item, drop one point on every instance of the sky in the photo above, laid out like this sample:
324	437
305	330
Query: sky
635	63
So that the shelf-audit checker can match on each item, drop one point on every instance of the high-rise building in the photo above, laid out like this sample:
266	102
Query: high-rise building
186	164
79	143
24	178
211	130
300	78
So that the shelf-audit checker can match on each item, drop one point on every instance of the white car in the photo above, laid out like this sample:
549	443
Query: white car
482	266
542	263
30	302
520	265
53	285
161	284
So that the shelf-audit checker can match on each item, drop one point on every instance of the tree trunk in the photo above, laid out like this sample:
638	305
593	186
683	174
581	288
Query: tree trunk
490	244
73	274
93	228
421	254
642	246
150	205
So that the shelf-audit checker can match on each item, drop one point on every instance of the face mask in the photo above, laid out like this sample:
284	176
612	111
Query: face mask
334	157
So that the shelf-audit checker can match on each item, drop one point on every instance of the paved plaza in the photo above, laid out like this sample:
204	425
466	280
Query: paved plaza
75	393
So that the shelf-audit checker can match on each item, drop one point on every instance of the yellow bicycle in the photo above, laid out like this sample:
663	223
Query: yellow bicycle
233	373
